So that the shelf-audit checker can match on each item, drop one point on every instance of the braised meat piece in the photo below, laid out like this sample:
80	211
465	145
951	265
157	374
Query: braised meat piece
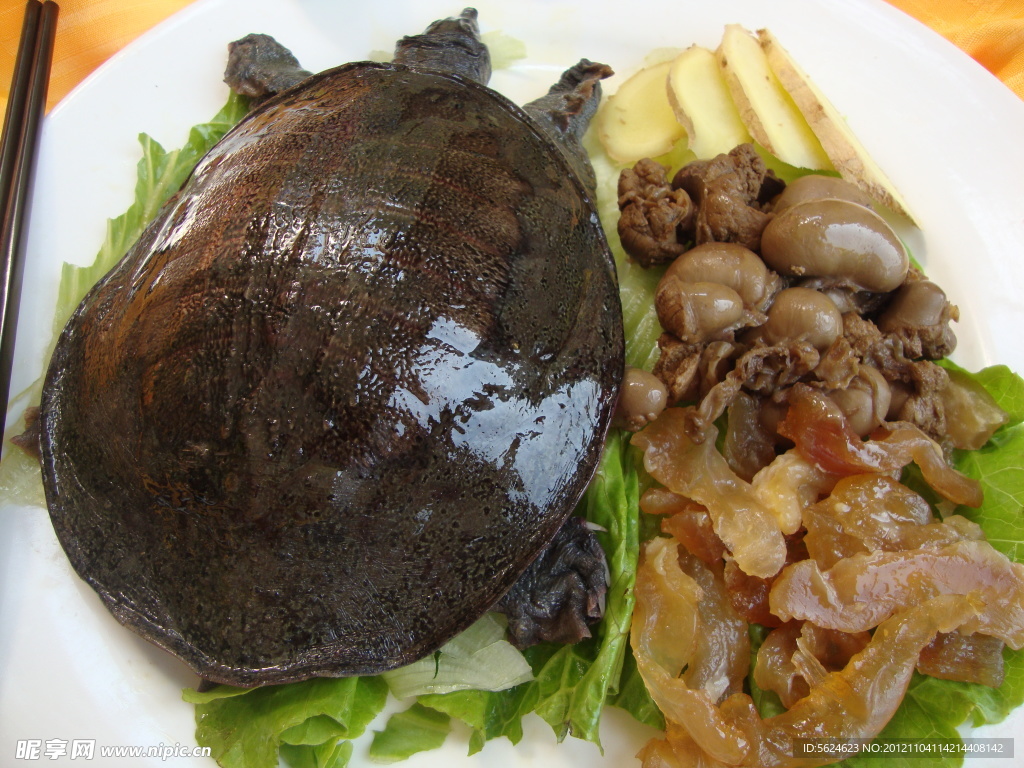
652	214
731	192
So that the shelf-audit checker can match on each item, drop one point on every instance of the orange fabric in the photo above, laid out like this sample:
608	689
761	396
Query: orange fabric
90	31
991	31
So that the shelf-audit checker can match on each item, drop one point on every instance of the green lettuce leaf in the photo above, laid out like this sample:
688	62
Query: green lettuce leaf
416	729
767	702
505	50
633	696
489	714
480	658
934	709
246	728
1000	468
611	502
1005	387
327	755
636	284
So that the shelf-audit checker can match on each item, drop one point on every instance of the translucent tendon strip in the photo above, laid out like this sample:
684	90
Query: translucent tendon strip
700	473
863	590
853	703
823	435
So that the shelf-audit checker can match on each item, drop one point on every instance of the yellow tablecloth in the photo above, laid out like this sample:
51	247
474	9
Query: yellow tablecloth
90	31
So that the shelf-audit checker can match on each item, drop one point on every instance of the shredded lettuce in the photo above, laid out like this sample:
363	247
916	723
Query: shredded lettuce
505	50
767	702
330	754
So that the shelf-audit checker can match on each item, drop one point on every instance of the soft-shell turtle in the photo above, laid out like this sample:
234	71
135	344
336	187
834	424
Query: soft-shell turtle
354	376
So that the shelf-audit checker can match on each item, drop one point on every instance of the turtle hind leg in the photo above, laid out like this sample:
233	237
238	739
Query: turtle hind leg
565	111
259	66
562	592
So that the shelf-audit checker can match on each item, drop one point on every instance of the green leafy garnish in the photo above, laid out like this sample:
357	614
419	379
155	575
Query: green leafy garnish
417	729
480	659
767	702
246	728
998	465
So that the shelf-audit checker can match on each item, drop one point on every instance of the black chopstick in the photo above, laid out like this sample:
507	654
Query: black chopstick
25	108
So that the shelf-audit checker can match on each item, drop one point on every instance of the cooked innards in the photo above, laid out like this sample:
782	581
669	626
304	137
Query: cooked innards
799	358
768	285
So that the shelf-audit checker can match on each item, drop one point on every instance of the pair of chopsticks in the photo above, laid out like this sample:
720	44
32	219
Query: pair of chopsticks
25	107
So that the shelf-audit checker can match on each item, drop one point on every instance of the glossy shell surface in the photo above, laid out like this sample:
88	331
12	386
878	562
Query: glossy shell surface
345	387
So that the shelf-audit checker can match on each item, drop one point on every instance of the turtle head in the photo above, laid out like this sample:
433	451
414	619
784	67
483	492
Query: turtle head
449	45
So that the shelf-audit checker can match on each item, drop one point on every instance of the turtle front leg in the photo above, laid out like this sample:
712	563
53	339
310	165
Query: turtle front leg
565	111
259	66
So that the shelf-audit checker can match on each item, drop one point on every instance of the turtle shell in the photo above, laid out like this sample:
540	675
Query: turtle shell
345	387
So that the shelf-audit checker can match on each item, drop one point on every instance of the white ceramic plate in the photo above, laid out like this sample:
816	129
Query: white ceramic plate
945	130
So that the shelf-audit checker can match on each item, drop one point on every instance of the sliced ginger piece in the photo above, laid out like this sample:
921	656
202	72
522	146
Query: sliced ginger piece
701	100
764	105
637	121
844	150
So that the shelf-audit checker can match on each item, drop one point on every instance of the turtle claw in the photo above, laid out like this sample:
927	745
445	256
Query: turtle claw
561	593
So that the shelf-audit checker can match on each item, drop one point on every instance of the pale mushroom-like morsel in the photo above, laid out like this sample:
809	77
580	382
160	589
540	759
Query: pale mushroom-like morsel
836	239
816	186
866	401
713	290
642	397
802	314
